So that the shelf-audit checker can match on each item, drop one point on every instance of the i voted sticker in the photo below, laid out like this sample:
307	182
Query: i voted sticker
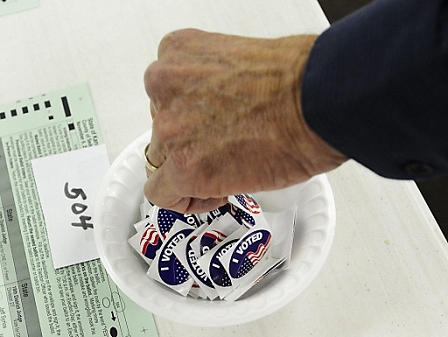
249	251
248	203
210	239
150	242
217	271
165	219
242	217
192	261
218	213
203	287
171	271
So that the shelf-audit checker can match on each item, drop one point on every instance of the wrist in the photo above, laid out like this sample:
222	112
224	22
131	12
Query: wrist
314	154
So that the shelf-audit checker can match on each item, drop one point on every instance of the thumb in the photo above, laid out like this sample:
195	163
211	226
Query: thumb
161	190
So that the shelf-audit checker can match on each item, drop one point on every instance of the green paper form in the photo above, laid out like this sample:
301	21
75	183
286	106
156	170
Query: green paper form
35	299
13	6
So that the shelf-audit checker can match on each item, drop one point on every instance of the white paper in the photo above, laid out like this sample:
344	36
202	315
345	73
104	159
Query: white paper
67	184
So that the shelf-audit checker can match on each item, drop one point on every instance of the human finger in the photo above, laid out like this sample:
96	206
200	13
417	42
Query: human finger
162	194
166	190
184	204
198	205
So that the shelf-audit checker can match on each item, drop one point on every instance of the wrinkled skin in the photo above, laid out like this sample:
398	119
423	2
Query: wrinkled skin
227	119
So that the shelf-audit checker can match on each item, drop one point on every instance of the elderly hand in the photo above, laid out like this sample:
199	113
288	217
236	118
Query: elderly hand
227	119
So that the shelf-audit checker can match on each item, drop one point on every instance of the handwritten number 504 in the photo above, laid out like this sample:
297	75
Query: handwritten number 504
78	208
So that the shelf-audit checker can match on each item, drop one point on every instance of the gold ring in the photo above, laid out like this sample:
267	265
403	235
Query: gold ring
153	106
148	164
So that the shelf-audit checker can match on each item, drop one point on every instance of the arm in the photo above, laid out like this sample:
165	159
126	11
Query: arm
376	87
227	111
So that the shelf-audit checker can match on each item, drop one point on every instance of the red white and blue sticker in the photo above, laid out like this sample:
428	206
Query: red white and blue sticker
212	265
216	270
171	271
197	271
262	269
242	217
166	267
246	202
218	213
248	253
164	220
215	233
189	258
150	242
210	239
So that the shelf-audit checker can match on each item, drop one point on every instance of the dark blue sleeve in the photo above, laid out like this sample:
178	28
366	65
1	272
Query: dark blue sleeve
376	87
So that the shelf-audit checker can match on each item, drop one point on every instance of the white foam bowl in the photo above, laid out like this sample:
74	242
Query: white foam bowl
117	209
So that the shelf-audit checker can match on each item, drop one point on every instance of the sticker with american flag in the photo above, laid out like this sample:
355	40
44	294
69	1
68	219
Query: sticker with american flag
197	271
164	220
171	270
210	239
260	271
216	232
210	263
150	242
189	259
242	217
250	250
216	269
134	242
166	268
246	202
218	213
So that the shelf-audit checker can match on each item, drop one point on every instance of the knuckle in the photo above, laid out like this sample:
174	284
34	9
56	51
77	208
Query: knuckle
176	39
156	79
150	78
169	41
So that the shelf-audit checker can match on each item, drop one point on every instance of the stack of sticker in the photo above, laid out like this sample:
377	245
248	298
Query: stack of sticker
219	254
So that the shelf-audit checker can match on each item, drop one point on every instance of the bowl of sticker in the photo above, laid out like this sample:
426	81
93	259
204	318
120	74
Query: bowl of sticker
229	266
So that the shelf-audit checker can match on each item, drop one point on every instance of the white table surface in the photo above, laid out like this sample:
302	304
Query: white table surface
387	273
